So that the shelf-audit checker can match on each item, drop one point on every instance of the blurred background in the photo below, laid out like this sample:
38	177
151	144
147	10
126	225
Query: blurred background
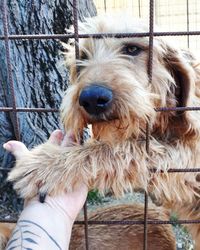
169	15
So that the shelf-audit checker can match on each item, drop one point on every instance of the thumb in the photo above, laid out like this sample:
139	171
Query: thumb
16	148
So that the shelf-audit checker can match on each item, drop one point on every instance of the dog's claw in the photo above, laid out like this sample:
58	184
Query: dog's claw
42	197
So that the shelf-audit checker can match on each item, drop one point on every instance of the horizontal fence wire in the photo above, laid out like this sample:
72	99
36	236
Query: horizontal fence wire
125	222
102	35
138	222
7	109
153	170
161	109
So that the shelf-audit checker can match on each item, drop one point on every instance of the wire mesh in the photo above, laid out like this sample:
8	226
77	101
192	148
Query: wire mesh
13	109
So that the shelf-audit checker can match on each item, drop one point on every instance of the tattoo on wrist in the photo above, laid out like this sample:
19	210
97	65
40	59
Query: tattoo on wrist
28	234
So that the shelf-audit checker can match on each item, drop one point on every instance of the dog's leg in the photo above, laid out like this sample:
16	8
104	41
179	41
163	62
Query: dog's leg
52	169
97	164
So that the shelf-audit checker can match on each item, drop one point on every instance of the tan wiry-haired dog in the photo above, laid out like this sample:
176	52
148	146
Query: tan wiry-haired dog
111	91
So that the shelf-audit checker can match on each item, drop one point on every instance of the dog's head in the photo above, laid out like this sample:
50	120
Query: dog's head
111	88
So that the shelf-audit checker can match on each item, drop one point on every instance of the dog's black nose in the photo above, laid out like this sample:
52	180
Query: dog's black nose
95	99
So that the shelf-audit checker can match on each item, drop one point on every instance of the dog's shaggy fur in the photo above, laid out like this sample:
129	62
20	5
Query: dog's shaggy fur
112	237
115	157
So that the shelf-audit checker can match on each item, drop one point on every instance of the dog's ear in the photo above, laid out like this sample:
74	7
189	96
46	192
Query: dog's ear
179	64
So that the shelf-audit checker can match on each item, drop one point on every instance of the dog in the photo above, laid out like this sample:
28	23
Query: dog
112	92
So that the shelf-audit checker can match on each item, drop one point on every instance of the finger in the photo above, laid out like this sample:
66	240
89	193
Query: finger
56	137
16	148
68	140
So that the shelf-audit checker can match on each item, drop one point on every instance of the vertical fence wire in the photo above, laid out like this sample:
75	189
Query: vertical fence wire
188	23
150	69
145	193
12	98
151	37
76	37
139	8
145	244
75	24
86	226
105	6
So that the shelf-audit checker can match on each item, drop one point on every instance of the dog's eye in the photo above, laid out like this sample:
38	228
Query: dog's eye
131	50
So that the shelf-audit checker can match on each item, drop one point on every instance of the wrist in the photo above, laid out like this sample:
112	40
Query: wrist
49	223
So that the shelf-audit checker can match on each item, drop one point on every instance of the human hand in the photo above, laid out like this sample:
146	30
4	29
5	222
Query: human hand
47	225
68	203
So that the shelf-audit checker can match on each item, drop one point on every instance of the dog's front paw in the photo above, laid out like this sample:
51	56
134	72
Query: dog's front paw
25	175
22	175
42	170
37	171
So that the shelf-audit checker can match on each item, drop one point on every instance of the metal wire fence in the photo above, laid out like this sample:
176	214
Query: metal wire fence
14	109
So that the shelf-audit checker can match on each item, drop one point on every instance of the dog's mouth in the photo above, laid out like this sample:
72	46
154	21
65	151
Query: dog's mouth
103	117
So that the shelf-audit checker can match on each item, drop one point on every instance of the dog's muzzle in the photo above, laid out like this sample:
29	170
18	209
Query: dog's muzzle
96	99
